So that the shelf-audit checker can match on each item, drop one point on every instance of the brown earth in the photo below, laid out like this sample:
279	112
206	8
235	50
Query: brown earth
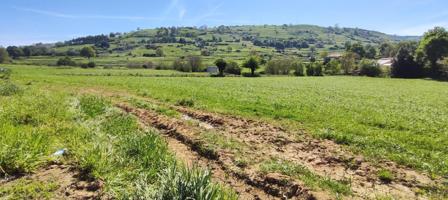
263	142
70	183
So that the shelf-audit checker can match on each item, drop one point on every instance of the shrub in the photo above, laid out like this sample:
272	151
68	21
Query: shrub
333	67
66	61
369	68
280	66
7	88
148	65
315	69
246	74
4	56
233	68
5	73
91	65
299	69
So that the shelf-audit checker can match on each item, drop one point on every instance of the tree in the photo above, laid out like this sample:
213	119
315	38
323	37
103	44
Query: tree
333	67
4	55
252	64
369	68
404	65
159	52
370	52
386	50
195	63
27	51
348	62
434	47
221	64
14	51
87	52
233	68
358	49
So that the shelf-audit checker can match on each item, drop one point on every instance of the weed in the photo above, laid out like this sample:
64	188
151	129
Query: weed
92	105
385	176
185	102
304	174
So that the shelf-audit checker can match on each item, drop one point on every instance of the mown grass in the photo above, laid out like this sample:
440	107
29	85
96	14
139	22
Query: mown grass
102	142
309	178
401	120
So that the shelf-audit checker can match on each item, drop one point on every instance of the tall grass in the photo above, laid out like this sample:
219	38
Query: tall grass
102	142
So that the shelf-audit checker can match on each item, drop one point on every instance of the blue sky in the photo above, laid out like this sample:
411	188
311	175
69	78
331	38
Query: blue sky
30	21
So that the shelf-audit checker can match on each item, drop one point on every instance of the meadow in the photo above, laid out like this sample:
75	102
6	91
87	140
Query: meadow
402	120
405	121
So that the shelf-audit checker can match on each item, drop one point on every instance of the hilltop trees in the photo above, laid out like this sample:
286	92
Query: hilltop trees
14	51
252	64
4	56
434	46
221	64
87	52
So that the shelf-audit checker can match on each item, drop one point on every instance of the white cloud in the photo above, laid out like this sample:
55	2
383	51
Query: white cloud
68	16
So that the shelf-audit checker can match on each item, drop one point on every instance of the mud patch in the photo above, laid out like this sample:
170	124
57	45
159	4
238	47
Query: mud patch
57	181
248	182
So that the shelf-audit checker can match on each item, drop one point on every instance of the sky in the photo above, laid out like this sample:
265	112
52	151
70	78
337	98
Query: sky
31	21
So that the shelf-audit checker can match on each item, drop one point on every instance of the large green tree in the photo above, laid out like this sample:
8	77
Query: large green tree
88	52
434	46
252	64
221	64
14	51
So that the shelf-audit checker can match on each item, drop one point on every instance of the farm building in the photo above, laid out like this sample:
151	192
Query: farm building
385	62
212	69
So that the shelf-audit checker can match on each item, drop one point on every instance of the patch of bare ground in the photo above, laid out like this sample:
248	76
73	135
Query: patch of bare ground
248	183
264	141
69	183
323	157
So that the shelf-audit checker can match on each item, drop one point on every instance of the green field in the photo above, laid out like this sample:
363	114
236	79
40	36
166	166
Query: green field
405	121
402	120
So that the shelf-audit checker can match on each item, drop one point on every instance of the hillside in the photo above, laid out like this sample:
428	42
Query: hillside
231	42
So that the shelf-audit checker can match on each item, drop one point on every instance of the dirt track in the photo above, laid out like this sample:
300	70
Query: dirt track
262	142
70	184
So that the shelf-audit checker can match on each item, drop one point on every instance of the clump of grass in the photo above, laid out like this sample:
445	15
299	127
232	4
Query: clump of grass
28	189
385	176
309	178
185	102
8	88
92	105
179	183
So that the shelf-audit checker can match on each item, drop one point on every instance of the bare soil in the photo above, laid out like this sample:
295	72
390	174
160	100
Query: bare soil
70	183
262	142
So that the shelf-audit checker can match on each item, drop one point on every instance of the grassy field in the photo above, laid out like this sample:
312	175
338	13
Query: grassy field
405	121
102	142
401	120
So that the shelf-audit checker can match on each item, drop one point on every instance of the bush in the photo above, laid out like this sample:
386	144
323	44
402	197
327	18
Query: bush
148	65
299	69
280	66
5	73
246	74
333	67
66	61
315	69
369	68
91	65
233	68
7	88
